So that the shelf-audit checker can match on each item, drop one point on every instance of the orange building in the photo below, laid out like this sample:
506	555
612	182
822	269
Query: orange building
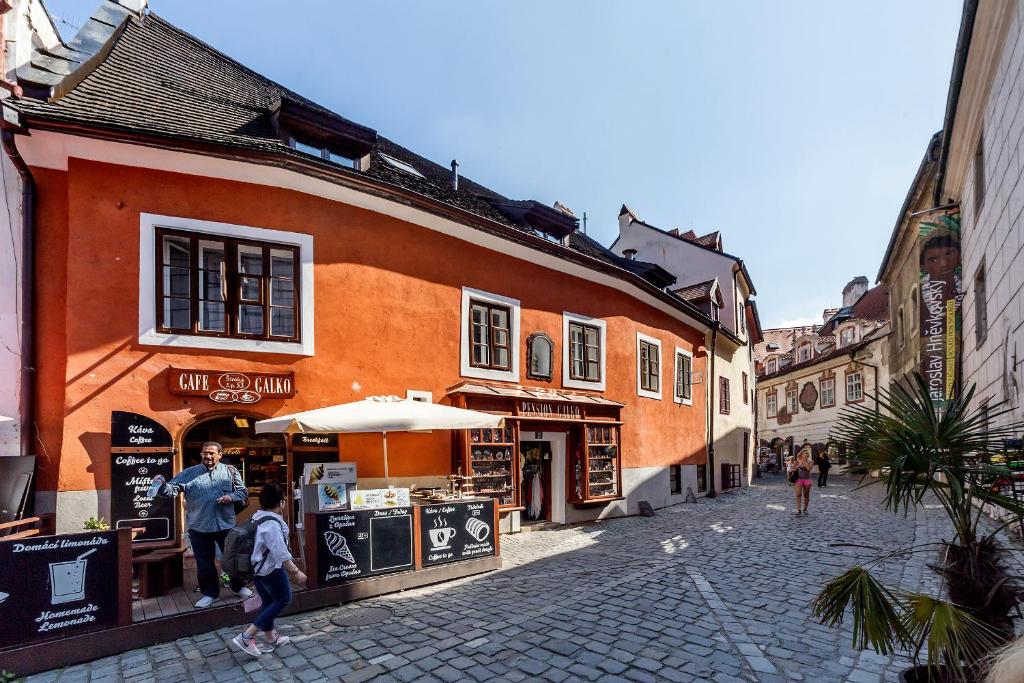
212	249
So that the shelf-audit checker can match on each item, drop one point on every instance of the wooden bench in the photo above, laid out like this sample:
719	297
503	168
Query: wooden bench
158	571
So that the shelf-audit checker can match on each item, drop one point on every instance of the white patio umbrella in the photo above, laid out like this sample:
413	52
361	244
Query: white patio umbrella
379	414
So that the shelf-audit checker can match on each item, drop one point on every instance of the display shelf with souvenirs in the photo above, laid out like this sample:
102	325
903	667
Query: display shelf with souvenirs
490	462
601	462
1012	458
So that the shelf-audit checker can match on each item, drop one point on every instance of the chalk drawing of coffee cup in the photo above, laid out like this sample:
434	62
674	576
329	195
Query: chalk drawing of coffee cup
440	538
478	529
67	579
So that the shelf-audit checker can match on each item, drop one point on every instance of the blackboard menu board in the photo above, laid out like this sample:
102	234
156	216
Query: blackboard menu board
140	450
57	586
360	543
456	531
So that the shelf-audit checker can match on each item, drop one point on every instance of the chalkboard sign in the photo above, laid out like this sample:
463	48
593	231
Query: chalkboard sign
57	586
140	450
456	531
130	430
361	543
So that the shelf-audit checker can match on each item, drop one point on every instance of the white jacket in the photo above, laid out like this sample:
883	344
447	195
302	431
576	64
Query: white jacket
271	540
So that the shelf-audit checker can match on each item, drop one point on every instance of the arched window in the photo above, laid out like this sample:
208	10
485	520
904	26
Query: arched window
901	331
539	348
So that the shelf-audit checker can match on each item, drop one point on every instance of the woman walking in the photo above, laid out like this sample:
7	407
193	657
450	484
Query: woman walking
272	564
802	485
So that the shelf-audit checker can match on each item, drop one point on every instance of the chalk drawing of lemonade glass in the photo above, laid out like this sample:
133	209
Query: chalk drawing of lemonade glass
67	579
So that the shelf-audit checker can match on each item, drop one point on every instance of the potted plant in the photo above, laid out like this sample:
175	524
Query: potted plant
96	524
948	452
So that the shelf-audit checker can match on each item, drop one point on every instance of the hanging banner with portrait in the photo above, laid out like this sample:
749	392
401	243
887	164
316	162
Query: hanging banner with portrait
941	296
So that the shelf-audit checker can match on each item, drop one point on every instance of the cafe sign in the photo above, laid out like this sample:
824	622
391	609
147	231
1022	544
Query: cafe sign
231	387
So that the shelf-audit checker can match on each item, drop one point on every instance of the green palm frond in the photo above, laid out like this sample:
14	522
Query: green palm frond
953	636
875	609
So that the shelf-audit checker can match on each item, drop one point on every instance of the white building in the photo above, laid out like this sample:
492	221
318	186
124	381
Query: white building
981	167
719	284
807	375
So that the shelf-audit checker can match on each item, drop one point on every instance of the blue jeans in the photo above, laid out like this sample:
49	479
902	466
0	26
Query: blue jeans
276	592
204	546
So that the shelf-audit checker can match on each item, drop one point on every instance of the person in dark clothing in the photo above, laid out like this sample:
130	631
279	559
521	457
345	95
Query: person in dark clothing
824	464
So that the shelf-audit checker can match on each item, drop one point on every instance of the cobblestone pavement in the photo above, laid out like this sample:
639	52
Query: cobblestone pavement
714	591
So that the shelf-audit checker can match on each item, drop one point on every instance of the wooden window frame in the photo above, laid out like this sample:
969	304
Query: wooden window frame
795	407
724	398
231	282
682	391
768	412
746	393
675	480
648	366
491	344
583	327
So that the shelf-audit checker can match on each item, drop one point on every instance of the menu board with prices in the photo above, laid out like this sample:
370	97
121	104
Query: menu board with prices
58	586
460	530
360	543
492	459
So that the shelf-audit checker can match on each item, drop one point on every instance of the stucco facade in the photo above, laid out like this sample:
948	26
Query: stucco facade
981	169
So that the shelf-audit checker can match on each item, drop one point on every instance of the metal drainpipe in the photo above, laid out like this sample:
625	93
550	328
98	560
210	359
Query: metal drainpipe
28	195
711	414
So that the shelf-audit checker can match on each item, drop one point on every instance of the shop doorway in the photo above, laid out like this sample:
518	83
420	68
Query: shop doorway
542	463
260	458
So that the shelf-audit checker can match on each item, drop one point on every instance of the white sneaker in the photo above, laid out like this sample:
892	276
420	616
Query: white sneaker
247	645
205	601
245	592
267	646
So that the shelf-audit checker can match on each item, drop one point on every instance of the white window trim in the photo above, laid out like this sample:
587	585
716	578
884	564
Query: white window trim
675	373
148	334
839	335
567	380
773	394
467	370
661	366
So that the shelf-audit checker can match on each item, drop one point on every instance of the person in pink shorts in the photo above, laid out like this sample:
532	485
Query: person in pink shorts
802	485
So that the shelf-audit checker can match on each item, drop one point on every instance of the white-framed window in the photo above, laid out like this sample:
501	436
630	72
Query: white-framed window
584	351
489	347
324	153
854	387
683	385
741	310
648	366
771	403
277	331
771	365
791	400
827	390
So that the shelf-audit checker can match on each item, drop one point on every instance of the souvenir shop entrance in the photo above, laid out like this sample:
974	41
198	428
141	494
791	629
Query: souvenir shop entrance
542	473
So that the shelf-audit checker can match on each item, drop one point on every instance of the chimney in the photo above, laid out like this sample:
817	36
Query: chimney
629	254
827	314
854	290
455	175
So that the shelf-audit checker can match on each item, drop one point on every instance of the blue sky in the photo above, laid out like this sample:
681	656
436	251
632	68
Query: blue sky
793	127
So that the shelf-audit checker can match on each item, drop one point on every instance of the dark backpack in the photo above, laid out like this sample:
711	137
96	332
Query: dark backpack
236	560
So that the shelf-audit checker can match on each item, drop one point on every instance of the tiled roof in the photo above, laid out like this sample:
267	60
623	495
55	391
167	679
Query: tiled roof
871	307
710	240
829	355
697	292
783	337
159	82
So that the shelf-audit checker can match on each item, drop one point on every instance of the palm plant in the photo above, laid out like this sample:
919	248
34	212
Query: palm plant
950	452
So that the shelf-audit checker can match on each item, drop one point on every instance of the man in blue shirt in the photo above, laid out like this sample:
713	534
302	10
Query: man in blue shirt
211	491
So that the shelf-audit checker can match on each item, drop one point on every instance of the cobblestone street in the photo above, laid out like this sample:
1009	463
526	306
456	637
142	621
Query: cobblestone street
718	590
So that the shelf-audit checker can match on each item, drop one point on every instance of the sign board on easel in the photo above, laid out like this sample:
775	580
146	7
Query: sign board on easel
140	449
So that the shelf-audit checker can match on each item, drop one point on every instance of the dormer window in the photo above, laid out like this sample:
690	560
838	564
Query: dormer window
321	133
847	336
804	353
324	153
771	366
